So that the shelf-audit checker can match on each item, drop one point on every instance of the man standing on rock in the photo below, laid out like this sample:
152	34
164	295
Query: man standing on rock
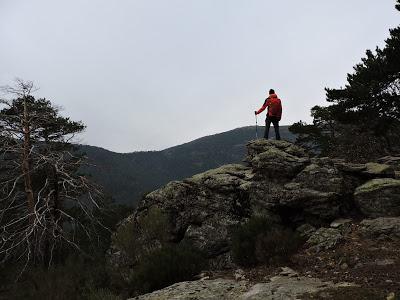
274	113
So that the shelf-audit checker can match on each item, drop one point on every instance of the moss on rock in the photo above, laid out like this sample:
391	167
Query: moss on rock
377	184
377	169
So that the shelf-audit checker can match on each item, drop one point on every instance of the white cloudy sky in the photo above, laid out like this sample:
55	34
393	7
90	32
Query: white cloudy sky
149	74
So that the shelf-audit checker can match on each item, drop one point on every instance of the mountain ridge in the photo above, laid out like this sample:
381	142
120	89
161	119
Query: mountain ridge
129	176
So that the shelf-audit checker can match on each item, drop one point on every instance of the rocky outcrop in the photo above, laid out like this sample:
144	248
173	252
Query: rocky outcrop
202	209
278	287
200	289
279	181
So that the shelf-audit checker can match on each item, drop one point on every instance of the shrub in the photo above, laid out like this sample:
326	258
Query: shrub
124	238
100	294
261	241
140	237
69	280
244	240
277	245
165	266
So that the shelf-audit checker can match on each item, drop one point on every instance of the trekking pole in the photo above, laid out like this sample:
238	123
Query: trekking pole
256	127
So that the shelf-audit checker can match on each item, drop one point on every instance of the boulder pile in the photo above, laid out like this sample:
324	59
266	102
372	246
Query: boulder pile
280	181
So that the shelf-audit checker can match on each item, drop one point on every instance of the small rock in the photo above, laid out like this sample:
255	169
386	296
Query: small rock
306	230
389	281
344	225
275	278
325	238
384	262
345	284
359	265
391	296
340	222
286	271
239	275
205	278
201	275
344	266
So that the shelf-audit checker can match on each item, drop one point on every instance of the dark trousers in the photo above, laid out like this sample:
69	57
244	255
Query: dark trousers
275	122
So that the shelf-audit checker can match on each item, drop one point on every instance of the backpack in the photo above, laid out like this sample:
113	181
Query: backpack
275	107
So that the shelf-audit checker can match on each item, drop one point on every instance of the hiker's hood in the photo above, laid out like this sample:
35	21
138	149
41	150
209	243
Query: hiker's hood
273	96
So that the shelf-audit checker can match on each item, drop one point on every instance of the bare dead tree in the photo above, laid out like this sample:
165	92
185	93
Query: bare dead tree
39	179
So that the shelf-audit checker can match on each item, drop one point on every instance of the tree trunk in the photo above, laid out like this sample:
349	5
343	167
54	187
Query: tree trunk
26	167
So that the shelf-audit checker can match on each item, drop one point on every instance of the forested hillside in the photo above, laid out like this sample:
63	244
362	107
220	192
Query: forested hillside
126	177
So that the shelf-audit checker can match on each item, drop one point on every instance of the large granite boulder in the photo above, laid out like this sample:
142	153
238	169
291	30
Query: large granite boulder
299	189
321	191
276	159
379	197
203	208
382	228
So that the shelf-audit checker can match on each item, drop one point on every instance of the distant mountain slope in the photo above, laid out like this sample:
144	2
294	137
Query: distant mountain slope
128	176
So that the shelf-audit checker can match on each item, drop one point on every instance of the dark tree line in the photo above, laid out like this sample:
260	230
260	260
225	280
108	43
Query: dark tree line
363	119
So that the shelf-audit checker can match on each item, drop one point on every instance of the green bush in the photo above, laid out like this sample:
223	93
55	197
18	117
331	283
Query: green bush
140	237
70	280
277	245
165	266
100	294
124	238
261	241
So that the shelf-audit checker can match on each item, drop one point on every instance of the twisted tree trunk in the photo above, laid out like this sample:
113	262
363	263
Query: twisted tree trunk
26	167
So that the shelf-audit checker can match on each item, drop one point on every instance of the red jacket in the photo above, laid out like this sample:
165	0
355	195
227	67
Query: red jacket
274	106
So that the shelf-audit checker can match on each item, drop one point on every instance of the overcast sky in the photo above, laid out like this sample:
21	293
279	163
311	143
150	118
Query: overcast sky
150	74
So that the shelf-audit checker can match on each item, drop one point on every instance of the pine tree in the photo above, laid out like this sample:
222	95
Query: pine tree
364	116
39	178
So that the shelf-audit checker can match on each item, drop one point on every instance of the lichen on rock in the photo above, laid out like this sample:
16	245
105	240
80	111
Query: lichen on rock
379	197
324	238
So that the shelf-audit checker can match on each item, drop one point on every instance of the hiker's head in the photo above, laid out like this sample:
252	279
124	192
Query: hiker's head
271	91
